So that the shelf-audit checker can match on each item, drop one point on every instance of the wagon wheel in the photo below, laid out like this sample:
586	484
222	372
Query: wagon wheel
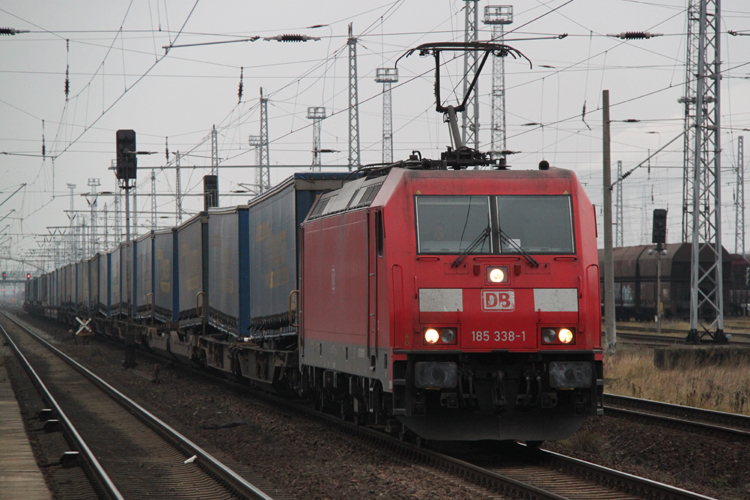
403	434
343	410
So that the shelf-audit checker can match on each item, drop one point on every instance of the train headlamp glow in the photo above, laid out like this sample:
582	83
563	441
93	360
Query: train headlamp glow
565	336
558	335
431	336
497	274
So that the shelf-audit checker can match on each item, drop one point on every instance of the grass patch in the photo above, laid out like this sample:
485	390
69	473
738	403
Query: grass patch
584	442
724	387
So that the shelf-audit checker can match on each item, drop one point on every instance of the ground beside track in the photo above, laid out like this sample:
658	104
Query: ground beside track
304	458
310	461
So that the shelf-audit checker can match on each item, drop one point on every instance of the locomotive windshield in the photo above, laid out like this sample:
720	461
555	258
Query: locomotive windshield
533	224
450	224
537	224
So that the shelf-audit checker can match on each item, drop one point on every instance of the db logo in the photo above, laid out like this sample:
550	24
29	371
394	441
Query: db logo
498	300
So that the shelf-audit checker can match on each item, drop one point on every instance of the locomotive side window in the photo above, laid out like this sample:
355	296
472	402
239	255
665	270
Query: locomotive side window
451	224
536	224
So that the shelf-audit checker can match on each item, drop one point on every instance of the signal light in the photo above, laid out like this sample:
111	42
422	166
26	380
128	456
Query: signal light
660	226
4	276
126	155
28	276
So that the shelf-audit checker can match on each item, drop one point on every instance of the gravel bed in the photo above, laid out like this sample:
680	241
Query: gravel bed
304	459
716	467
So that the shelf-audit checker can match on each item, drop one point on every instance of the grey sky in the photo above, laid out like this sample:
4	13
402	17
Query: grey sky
183	94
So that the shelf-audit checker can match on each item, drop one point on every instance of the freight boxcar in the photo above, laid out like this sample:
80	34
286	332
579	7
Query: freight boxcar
635	271
143	286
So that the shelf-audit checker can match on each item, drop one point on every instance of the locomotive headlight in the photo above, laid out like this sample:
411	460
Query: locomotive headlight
431	336
565	336
549	335
448	336
497	274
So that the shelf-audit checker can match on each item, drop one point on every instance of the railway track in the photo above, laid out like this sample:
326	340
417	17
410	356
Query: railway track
706	421
127	451
669	335
516	470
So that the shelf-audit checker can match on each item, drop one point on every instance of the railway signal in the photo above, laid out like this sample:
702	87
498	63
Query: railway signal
659	235
126	155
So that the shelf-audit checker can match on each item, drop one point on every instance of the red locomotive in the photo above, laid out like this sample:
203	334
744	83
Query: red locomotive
465	303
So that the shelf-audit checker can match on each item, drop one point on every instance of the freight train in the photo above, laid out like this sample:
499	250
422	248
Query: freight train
430	298
635	271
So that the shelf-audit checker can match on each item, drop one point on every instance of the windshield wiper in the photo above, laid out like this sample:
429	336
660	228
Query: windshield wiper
479	240
518	248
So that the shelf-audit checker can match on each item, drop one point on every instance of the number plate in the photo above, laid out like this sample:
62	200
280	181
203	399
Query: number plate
503	336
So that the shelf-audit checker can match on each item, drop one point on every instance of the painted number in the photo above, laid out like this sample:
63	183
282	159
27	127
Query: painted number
498	336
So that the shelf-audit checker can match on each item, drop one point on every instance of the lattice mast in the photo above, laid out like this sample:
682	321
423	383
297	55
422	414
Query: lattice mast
619	226
93	203
214	151
316	114
706	291
153	200
470	119
498	16
739	200
387	76
354	160
255	142
689	101
177	189
73	230
264	183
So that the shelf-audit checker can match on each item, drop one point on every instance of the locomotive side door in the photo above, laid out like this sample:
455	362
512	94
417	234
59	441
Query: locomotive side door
374	250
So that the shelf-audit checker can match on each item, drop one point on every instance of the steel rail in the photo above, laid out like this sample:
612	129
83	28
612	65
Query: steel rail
74	439
623	480
732	423
205	459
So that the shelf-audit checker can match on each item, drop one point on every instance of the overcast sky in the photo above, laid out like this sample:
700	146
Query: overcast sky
120	78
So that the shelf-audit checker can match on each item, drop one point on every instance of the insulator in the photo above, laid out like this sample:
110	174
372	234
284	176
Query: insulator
239	90
291	38
67	88
166	148
635	35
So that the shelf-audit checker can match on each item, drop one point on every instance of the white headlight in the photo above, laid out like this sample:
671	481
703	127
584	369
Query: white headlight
565	336
431	336
497	275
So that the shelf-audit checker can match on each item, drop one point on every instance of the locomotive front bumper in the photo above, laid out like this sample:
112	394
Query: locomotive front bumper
533	396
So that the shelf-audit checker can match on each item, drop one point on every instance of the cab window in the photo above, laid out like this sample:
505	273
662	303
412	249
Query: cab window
450	224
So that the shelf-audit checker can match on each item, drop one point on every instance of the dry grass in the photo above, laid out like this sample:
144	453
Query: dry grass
725	387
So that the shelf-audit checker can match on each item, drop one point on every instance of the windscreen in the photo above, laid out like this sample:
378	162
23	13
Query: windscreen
536	224
450	224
